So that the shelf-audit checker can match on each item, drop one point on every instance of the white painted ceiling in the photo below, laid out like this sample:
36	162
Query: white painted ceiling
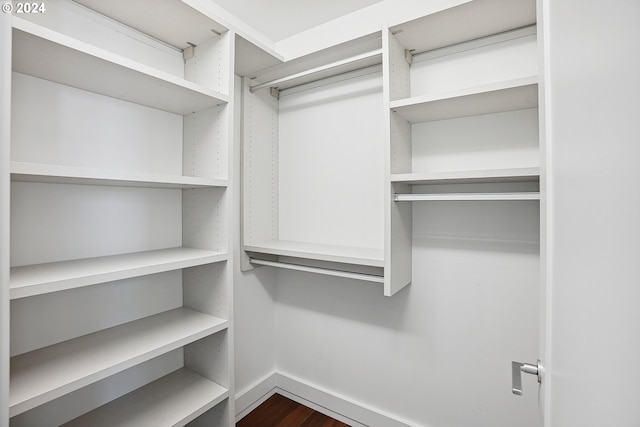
279	19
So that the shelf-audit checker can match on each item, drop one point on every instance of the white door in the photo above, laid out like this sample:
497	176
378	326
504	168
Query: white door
592	335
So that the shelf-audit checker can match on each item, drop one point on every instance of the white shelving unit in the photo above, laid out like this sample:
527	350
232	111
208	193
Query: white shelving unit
120	192
462	97
288	184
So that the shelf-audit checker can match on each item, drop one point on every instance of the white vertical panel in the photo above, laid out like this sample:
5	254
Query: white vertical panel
5	147
253	342
231	227
260	160
204	223
208	136
397	157
331	163
205	143
205	67
397	255
206	289
399	74
401	150
219	415
592	78
209	357
57	124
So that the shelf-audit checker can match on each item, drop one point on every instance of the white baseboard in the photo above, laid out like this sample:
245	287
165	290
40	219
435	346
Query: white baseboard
251	397
343	409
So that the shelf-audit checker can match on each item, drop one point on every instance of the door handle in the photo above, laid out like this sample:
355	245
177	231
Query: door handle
516	375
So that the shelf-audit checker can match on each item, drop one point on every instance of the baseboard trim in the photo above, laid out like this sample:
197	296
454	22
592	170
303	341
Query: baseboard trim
349	411
253	396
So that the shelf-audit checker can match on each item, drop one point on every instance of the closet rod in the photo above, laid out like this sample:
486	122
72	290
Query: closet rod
325	67
319	270
466	196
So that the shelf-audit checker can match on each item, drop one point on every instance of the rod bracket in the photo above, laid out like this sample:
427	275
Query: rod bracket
188	52
275	92
408	56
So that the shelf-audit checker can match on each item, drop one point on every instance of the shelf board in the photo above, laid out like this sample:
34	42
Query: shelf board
176	23
173	400
46	54
57	174
331	253
39	279
465	22
466	196
510	95
42	375
469	177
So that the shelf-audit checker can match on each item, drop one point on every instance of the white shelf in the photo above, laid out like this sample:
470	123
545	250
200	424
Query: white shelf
46	54
466	197
467	177
466	22
331	253
42	375
510	95
57	276
173	400
174	22
37	172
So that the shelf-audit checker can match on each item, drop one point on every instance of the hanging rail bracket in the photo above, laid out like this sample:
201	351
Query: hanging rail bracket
408	55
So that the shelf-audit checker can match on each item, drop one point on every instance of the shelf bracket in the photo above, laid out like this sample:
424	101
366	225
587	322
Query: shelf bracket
408	56
188	52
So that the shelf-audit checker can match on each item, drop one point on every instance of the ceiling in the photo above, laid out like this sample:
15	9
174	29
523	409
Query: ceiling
279	19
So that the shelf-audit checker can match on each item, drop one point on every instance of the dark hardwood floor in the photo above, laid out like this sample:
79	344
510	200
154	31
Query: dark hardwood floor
279	411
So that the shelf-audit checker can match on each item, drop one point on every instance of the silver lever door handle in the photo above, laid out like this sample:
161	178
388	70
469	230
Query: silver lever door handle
516	376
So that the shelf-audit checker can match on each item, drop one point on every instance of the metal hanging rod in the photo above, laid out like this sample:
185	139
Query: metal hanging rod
319	270
325	67
466	196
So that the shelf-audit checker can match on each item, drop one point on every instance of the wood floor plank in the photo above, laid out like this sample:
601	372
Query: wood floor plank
318	419
279	411
297	417
270	413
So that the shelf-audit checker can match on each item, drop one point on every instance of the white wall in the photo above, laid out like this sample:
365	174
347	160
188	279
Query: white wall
438	353
594	133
